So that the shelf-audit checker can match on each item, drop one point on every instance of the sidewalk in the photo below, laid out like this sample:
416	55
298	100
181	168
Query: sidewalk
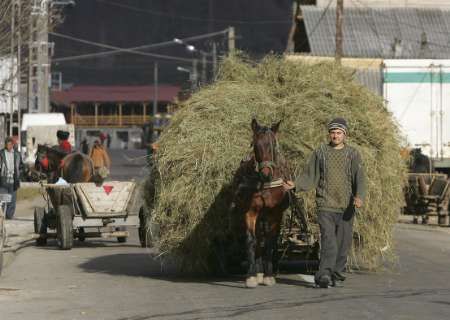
20	230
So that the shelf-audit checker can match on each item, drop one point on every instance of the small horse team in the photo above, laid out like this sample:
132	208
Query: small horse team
335	171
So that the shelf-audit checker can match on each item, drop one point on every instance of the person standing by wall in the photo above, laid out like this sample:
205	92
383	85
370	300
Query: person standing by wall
10	168
336	171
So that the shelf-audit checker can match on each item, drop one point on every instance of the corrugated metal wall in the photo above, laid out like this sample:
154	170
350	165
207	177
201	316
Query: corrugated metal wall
381	33
391	3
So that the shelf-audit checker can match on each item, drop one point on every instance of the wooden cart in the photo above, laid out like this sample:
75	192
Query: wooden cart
4	199
84	210
427	197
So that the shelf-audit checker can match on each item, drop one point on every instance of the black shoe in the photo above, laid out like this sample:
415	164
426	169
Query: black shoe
339	276
324	281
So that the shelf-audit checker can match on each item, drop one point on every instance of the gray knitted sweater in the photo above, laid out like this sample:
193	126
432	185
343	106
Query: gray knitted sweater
322	175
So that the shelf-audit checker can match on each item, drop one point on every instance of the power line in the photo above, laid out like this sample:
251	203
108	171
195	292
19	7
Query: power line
164	14
101	45
148	46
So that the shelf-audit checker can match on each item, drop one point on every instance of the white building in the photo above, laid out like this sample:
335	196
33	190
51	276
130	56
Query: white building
5	86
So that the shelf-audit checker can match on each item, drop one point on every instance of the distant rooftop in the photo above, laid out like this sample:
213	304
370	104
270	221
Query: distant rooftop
403	33
114	94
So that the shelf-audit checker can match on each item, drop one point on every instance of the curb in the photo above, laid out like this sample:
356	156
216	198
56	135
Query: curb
9	252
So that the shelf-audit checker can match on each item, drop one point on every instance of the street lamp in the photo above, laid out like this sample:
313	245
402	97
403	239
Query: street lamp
192	74
204	54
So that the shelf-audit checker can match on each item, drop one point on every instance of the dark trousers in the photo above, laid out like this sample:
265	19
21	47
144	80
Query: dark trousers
336	233
10	206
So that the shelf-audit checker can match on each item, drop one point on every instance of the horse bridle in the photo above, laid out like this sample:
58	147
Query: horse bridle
271	164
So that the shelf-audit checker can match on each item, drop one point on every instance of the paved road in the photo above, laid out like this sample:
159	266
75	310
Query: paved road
104	280
127	164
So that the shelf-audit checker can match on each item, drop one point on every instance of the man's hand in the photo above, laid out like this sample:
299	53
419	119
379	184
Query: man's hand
288	185
357	202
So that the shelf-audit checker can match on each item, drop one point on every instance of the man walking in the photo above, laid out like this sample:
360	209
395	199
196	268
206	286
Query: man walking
10	166
335	170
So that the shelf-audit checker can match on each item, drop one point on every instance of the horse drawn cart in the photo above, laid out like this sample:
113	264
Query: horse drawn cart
84	210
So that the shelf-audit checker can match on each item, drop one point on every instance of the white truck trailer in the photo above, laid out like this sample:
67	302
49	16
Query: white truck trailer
41	128
417	92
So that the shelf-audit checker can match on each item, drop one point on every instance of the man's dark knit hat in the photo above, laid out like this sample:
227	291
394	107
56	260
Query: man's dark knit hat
338	123
62	135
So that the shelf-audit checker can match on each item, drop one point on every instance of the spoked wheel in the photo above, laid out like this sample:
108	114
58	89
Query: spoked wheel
81	235
121	239
40	226
64	227
2	239
145	234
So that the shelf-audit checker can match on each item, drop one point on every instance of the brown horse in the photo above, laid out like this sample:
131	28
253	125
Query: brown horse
262	197
73	167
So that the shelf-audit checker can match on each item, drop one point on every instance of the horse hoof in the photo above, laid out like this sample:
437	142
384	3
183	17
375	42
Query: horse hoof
269	281
260	278
251	282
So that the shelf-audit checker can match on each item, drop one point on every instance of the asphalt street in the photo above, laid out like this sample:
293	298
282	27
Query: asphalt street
102	279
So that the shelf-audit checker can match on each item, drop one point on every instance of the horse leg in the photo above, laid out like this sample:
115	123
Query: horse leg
270	243
250	221
259	252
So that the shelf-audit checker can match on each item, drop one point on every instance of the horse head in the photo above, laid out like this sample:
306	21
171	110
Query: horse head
48	161
265	147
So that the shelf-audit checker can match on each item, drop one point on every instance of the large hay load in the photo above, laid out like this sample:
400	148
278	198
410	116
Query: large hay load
189	190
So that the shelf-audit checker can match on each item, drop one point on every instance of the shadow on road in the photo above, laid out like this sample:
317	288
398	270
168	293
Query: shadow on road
143	265
228	312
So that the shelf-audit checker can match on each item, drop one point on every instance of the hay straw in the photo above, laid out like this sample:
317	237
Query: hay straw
189	189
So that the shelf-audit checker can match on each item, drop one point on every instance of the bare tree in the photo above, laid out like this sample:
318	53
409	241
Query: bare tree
22	25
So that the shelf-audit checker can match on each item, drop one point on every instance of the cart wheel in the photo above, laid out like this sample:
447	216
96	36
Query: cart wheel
81	234
40	226
121	239
1	261
1	244
145	236
64	227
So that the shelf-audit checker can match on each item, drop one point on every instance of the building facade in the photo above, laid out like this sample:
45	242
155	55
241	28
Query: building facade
431	4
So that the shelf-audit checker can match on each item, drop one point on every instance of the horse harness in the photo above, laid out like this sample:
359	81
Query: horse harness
271	164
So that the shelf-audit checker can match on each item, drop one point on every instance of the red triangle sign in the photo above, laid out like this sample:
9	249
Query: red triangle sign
108	189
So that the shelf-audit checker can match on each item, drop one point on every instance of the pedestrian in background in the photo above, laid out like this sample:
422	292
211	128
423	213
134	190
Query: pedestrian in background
10	167
102	138
336	171
108	140
101	161
84	146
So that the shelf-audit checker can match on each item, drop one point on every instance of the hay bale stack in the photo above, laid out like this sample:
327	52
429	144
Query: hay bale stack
189	190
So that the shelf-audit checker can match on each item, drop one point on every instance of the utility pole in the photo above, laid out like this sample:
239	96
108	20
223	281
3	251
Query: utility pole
19	68
203	67
39	63
214	56
339	37
11	93
231	39
194	75
155	88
